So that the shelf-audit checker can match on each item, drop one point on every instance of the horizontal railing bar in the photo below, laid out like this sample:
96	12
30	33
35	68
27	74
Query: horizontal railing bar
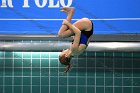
96	37
55	46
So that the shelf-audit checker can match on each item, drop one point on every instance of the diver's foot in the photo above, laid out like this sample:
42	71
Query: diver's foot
68	10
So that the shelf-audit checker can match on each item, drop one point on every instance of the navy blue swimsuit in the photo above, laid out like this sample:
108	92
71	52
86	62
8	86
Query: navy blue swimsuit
85	36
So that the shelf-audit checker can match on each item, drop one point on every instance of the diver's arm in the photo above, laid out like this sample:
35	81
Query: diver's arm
75	45
71	27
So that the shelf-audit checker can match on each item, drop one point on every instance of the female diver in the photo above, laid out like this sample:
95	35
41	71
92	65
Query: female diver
82	30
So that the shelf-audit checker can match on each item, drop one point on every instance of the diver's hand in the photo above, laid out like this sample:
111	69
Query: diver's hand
68	68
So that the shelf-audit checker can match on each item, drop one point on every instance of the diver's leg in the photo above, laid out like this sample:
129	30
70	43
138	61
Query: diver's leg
64	30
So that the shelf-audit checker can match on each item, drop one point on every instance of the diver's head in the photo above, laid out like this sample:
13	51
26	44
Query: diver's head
65	57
